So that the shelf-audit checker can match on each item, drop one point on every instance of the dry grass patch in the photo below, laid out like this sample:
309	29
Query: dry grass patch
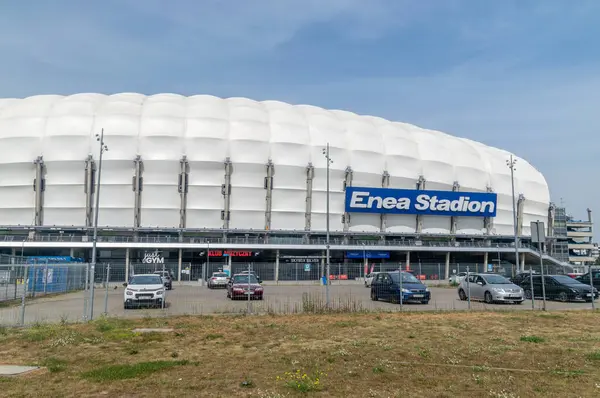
472	354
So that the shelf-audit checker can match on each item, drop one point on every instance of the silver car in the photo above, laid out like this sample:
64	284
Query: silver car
490	288
218	279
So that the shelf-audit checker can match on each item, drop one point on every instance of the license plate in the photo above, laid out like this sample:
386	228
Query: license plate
418	295
144	295
589	294
249	293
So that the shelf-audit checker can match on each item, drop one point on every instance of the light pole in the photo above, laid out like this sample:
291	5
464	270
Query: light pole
327	259
511	165
103	148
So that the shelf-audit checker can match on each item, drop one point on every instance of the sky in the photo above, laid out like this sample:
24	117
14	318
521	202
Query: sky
521	75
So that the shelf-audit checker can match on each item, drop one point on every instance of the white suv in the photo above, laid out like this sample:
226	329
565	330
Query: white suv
144	290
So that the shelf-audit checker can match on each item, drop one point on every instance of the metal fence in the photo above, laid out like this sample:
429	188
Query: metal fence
59	293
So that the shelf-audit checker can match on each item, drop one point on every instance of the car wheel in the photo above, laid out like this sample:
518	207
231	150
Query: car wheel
488	298
374	296
425	302
562	296
125	306
462	295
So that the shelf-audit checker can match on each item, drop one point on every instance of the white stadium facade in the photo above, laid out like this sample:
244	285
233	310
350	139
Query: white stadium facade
186	178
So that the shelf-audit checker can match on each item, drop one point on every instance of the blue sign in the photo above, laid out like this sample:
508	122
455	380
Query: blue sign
410	201
307	267
53	259
490	267
369	254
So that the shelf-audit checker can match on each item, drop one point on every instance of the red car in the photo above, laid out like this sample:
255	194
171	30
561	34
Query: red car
244	286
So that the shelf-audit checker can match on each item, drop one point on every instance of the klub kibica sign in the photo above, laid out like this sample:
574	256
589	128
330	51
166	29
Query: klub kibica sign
232	253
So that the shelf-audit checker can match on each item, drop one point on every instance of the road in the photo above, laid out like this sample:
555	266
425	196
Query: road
193	299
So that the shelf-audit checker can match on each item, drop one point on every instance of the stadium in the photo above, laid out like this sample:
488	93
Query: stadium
197	180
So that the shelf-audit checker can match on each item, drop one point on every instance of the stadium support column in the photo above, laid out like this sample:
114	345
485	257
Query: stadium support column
226	191
447	267
454	219
182	187
485	262
269	195
89	189
551	216
348	174
520	207
385	183
420	186
39	186
407	261
346	217
138	182
310	175
488	222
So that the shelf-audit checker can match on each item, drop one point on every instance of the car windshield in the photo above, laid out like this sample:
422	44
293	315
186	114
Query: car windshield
146	280
497	280
565	280
220	275
406	277
244	278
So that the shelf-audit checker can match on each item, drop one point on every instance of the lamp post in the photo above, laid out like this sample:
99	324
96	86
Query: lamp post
327	257
511	165
103	148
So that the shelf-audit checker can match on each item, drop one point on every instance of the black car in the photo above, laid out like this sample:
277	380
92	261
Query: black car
387	286
585	278
559	287
520	277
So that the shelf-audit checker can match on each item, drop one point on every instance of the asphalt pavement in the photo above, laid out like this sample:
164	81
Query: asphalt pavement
194	299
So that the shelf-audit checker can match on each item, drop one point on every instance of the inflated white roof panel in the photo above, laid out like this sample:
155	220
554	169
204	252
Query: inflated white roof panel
163	128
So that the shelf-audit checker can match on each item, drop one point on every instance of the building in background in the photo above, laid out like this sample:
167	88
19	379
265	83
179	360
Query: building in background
572	239
581	234
201	179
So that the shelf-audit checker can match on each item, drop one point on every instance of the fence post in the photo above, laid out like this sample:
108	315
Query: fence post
25	282
85	291
45	277
592	286
468	289
531	285
106	291
164	289
249	293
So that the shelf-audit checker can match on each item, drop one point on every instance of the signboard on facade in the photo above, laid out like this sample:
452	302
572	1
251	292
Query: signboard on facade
302	259
307	267
154	257
232	253
368	254
410	201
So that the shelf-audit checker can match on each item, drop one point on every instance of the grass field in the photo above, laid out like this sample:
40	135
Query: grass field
472	354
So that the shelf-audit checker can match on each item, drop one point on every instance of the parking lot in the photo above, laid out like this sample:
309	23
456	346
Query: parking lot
194	299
